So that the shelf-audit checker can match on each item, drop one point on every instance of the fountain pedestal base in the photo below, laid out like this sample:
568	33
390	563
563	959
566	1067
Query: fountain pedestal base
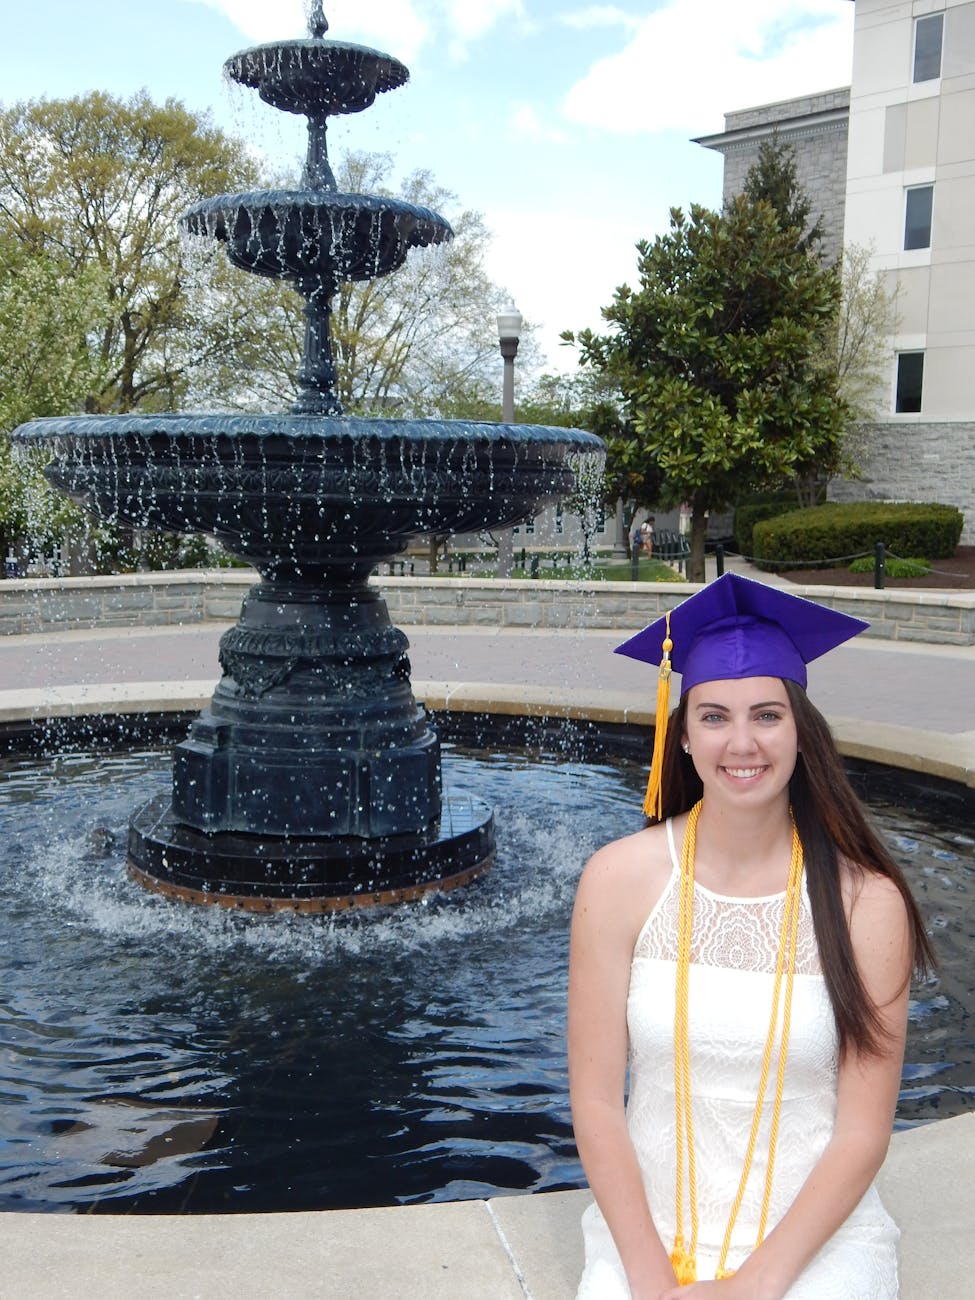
303	874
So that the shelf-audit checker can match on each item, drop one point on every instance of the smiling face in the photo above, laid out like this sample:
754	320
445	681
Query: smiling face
742	738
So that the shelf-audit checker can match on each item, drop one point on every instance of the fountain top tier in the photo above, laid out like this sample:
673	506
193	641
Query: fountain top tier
316	77
315	237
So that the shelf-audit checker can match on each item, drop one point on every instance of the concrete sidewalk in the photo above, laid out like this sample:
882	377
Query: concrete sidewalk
906	703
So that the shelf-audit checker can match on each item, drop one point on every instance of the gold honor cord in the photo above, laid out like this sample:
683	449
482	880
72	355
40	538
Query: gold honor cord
684	1256
652	801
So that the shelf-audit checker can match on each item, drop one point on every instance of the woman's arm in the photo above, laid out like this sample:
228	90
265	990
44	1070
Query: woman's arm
866	1098
604	928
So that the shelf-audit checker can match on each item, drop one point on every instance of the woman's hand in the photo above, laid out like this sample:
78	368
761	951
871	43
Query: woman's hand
729	1288
699	1289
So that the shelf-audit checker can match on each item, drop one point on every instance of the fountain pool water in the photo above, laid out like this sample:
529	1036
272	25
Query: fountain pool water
163	1059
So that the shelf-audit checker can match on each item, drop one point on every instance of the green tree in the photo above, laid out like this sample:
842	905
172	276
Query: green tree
856	344
774	179
49	330
716	355
95	182
866	318
49	326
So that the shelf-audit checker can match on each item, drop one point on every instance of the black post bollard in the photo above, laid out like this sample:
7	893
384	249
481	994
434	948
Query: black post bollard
634	565
719	559
879	565
534	566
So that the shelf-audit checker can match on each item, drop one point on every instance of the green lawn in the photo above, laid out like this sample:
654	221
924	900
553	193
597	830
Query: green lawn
599	571
602	571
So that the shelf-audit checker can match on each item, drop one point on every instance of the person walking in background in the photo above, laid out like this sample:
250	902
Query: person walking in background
746	959
646	535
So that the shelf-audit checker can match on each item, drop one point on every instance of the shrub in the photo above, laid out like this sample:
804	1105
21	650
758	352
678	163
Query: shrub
831	534
894	567
160	550
751	512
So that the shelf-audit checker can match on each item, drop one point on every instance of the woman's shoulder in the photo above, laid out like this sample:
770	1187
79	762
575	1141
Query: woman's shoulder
645	850
880	931
626	877
867	888
877	912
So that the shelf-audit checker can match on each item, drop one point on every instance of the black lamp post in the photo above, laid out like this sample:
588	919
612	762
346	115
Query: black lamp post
509	332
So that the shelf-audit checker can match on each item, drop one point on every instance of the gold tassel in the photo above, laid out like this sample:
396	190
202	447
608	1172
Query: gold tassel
653	803
684	1265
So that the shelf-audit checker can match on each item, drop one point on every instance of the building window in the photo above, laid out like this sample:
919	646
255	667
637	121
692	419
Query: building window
917	216
910	377
928	34
600	519
559	519
530	525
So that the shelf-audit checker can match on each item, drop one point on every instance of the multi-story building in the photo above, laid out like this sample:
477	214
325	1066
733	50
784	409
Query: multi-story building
908	194
815	128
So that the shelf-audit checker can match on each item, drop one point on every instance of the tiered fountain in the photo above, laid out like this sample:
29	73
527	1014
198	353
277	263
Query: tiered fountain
312	782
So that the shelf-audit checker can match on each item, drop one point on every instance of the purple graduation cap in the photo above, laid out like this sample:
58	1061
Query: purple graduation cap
732	628
737	627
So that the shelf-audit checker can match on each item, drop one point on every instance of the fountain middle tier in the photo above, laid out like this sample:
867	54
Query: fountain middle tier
316	234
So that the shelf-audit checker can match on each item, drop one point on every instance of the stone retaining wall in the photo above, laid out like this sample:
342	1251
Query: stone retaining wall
917	460
122	600
161	599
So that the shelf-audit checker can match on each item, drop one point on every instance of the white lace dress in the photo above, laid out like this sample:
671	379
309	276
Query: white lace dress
735	943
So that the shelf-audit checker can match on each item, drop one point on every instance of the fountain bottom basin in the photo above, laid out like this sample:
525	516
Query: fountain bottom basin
301	874
164	1059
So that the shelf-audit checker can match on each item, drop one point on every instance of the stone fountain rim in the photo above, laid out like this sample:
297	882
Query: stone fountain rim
299	200
320	45
335	428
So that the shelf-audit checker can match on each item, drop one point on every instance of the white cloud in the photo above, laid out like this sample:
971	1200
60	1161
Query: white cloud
394	26
563	266
598	16
525	124
468	21
693	60
401	27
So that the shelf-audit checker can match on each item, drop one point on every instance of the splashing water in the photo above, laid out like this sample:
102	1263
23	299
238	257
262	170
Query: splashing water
162	1058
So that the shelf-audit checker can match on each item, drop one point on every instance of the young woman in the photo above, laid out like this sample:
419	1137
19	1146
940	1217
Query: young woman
747	957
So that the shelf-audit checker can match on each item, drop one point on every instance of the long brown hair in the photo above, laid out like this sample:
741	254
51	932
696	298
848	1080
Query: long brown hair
833	827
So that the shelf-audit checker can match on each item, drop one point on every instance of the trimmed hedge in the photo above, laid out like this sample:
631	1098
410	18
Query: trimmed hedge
825	536
753	512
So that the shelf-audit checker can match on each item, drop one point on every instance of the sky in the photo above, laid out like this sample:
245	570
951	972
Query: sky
567	125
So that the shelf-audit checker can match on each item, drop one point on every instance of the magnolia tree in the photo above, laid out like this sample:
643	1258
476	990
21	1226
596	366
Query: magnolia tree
717	356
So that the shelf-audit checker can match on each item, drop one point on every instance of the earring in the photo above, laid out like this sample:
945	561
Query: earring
686	747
